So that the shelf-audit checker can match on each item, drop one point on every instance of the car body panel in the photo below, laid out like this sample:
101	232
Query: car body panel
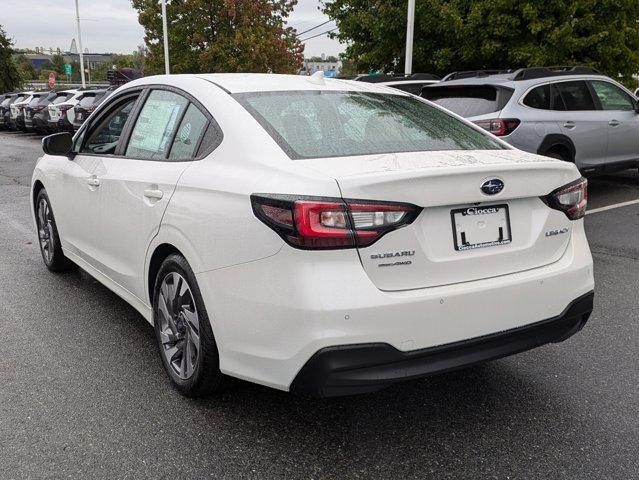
272	306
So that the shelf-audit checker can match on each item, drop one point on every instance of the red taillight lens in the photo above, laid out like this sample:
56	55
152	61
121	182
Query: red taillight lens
499	126
572	199
64	108
327	223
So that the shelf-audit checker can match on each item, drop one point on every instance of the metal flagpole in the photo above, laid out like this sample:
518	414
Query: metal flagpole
77	17
166	38
410	31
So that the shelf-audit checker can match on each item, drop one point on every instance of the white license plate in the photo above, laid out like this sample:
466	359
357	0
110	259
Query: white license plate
480	227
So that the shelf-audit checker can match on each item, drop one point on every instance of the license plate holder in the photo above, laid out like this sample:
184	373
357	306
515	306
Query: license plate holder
481	227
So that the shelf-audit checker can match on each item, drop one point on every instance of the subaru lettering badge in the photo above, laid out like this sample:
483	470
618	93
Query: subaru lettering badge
492	186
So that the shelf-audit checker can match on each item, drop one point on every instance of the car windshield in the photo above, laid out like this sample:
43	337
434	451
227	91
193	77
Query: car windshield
316	124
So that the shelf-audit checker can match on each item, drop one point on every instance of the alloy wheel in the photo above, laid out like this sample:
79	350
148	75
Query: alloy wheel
178	325
45	230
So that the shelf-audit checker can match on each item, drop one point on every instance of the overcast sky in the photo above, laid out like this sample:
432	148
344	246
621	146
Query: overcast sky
112	26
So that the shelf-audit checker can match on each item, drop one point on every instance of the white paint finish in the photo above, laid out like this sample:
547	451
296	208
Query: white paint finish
272	306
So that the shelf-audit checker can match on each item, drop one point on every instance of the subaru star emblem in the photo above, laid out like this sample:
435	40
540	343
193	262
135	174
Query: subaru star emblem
492	186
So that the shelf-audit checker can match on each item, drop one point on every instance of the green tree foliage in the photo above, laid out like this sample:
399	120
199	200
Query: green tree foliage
57	62
10	78
470	34
221	36
25	67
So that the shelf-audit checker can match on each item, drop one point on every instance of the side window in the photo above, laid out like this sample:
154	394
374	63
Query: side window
103	137
188	134
576	95
538	97
612	97
156	125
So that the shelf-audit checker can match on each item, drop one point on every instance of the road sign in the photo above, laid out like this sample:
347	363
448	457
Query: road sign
52	80
68	70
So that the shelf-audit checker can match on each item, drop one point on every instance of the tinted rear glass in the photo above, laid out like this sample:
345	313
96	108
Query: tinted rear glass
35	100
87	101
414	88
319	124
62	97
468	100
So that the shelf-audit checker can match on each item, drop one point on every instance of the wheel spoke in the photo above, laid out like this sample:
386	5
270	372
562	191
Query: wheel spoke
192	326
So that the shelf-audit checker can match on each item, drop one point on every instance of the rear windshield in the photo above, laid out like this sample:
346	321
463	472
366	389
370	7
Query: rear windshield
62	97
468	100
318	124
6	101
34	100
87	100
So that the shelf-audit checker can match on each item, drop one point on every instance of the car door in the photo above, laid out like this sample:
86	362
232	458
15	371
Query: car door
622	121
581	121
137	184
78	188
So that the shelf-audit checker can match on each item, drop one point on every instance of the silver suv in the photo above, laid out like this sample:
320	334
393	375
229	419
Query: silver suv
571	113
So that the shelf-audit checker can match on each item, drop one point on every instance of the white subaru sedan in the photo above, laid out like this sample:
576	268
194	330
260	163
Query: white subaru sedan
314	235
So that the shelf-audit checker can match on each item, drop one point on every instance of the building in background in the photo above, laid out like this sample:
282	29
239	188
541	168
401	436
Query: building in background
331	66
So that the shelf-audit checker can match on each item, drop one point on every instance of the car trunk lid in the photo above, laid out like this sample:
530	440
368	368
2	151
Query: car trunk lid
462	234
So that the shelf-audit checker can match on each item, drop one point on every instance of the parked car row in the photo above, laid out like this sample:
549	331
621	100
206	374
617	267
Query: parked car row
49	111
571	113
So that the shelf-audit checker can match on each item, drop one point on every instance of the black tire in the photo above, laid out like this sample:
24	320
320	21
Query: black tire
205	377
48	238
556	155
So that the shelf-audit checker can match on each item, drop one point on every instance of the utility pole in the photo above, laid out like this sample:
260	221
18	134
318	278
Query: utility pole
165	29
77	18
410	31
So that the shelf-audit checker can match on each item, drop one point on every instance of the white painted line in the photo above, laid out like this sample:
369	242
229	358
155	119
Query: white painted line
611	207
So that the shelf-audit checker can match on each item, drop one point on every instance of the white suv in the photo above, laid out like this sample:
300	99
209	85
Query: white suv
320	236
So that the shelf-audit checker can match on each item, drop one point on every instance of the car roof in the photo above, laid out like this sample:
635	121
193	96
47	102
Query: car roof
266	82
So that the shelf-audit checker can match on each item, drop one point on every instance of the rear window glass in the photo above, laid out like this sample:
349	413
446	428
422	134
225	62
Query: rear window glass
35	100
319	124
576	95
468	101
87	100
62	97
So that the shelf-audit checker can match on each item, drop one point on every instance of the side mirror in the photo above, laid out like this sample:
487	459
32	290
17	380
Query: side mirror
58	144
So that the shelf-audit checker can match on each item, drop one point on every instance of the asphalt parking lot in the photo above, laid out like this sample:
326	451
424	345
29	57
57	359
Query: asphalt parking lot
83	393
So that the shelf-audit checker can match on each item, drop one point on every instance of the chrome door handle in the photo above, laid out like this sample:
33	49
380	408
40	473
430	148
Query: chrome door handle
93	182
569	124
614	123
154	194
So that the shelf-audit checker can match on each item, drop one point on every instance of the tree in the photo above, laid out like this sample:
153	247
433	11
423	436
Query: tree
221	36
470	34
9	75
57	62
25	67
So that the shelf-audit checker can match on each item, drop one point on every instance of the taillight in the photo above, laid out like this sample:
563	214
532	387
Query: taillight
64	108
571	199
330	223
499	126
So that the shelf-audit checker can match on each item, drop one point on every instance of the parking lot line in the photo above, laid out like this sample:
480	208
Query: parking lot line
613	206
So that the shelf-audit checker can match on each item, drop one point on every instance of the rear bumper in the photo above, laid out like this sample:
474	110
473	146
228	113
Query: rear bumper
352	369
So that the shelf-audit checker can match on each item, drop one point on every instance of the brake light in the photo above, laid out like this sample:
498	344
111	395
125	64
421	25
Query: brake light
329	223
572	199
499	126
64	108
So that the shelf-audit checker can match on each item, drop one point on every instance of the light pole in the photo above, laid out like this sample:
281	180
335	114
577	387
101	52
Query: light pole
410	31
165	33
77	18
